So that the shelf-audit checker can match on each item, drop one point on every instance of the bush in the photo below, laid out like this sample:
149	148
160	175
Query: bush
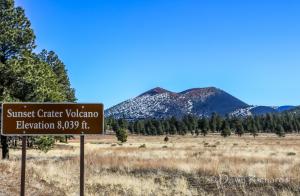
142	146
121	135
291	154
44	143
226	132
166	139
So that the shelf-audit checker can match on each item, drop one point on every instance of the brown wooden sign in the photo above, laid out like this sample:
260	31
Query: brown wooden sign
52	118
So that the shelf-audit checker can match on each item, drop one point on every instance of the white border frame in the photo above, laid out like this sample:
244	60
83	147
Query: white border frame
49	103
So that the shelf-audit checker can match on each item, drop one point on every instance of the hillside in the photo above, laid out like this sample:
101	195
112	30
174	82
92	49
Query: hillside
295	110
161	103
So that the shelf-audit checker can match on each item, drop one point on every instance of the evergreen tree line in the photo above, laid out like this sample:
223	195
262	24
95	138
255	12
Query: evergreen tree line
269	123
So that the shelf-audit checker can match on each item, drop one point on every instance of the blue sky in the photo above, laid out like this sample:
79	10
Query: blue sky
115	50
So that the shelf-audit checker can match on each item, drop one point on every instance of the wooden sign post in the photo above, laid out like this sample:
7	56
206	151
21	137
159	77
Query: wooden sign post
23	119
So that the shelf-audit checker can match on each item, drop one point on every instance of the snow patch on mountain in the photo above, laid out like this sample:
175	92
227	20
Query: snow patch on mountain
140	107
242	112
189	106
259	110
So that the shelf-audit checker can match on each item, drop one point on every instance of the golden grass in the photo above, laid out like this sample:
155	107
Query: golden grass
187	165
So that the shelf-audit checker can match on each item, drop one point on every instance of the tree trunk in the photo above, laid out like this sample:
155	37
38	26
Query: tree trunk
5	150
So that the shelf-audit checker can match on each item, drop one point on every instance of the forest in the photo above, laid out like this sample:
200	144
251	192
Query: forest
279	124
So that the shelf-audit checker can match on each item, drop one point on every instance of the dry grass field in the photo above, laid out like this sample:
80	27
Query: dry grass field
187	165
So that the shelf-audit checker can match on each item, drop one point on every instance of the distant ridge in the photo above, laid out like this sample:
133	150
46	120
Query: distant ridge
295	110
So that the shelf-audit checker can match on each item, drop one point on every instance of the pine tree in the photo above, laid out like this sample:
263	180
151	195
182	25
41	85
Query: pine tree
225	131
123	123
205	127
219	122
200	123
197	131
141	127
131	127
269	123
181	127
191	123
173	126
135	127
253	131
149	127
280	131
59	69
257	122
239	128
115	126
153	129
297	125
166	126
158	127
213	122
23	75
16	38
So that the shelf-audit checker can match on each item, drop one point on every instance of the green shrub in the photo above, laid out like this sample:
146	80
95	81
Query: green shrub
142	146
121	135
291	154
44	143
